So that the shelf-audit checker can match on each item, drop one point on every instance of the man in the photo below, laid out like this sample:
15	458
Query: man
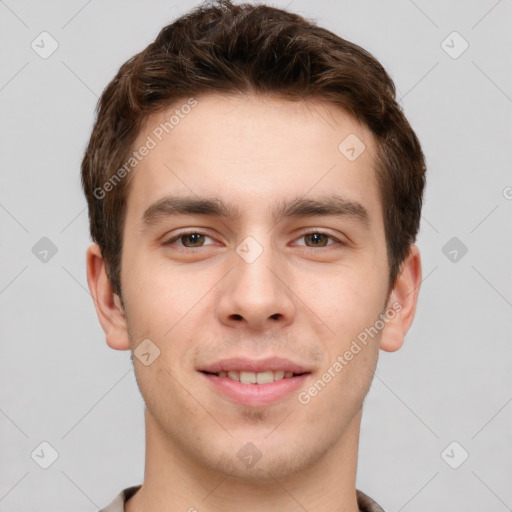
254	196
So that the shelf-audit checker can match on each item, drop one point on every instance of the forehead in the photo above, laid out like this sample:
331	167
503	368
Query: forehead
254	150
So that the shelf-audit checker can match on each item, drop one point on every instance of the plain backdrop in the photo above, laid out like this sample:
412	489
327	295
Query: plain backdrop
446	395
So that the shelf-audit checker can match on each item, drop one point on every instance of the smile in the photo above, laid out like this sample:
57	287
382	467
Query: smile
263	377
255	389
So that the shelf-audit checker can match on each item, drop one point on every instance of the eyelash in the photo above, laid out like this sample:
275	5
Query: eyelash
195	232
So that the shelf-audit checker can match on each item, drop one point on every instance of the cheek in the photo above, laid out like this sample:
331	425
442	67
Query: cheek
162	295
165	397
346	299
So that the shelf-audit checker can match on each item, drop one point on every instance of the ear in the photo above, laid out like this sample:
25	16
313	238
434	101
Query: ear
108	307
401	305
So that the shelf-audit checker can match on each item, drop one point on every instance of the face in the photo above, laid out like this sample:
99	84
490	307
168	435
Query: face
272	255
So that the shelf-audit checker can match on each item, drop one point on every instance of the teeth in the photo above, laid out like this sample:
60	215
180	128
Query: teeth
248	377
234	375
256	378
263	377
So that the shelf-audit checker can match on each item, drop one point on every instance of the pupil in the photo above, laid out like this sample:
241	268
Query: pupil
194	237
314	238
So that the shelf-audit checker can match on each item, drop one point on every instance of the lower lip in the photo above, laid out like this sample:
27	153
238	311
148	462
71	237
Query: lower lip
256	394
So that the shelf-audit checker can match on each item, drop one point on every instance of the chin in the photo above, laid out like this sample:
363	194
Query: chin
260	462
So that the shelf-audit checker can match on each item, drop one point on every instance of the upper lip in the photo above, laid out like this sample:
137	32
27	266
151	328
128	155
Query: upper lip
253	365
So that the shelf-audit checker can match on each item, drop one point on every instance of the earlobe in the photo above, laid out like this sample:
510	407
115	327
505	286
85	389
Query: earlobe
402	302
108	307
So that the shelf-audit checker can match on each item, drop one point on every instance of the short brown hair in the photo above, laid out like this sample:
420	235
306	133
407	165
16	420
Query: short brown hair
225	48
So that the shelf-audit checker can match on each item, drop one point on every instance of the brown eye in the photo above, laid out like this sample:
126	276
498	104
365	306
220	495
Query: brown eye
317	239
190	240
195	239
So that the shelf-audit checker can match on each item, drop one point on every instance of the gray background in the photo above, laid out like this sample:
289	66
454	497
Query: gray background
60	383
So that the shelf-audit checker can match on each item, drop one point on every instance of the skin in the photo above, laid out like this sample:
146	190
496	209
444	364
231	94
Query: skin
305	304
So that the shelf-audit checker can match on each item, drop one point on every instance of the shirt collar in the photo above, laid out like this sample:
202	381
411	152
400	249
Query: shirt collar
364	502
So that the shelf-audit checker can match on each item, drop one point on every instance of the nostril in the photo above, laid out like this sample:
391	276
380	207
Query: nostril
276	316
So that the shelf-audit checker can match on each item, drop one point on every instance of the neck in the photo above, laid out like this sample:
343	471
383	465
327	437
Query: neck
177	480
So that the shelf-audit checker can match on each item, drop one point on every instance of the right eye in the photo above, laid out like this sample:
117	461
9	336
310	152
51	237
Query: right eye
194	238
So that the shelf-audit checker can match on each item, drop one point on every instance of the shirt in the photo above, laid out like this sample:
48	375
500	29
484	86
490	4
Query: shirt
364	502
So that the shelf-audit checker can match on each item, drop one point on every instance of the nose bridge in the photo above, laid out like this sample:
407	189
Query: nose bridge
255	293
253	269
254	260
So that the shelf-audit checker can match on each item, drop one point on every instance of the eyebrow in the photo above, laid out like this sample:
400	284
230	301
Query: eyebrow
332	205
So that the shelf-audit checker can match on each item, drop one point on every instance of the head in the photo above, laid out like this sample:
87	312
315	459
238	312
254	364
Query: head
261	118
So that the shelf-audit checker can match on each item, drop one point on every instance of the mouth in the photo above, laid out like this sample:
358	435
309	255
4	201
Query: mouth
255	383
259	378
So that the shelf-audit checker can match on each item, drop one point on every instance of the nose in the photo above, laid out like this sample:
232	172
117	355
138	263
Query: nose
256	295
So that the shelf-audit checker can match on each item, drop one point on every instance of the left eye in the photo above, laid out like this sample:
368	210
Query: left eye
196	239
317	239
